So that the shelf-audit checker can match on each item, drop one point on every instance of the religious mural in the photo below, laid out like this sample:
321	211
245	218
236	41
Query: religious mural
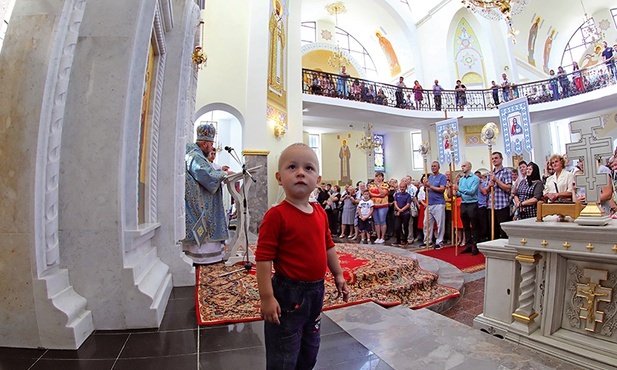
548	44
388	50
277	61
531	41
468	55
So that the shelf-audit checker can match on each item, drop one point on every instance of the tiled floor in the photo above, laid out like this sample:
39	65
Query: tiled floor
180	344
470	304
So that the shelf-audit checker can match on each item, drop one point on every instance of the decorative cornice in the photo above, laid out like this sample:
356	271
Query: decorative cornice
255	152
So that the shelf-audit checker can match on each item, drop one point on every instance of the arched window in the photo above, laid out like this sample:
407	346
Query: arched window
580	46
380	160
348	43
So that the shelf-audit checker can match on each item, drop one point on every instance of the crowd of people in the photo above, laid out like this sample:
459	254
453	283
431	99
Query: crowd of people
559	85
426	210
291	236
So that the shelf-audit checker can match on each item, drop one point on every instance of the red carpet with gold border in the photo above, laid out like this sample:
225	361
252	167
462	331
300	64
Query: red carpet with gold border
385	278
464	262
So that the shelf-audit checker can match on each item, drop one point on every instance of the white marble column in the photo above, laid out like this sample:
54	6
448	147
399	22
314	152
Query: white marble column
178	105
40	307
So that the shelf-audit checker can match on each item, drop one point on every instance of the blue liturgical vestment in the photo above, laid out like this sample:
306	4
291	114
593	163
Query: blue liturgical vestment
204	193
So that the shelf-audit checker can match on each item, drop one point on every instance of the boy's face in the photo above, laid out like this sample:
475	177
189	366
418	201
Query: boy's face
365	195
298	172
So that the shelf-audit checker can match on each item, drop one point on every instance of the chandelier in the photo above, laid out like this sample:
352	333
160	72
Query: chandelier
337	59
498	9
369	142
591	32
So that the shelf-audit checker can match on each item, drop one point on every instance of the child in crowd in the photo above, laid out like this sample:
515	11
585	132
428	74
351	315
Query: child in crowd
295	238
349	213
365	210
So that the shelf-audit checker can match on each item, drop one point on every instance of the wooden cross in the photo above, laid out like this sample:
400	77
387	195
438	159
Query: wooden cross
593	293
589	149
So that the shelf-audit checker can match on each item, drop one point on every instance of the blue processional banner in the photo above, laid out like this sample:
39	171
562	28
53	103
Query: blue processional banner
448	146
516	126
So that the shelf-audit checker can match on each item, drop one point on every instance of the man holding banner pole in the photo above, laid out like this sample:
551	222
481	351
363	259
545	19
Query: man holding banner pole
436	185
424	149
500	183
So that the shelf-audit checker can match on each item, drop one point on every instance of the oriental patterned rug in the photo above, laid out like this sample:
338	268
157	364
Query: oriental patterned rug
385	278
464	262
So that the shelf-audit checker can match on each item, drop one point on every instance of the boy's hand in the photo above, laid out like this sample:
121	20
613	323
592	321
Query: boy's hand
270	310
341	287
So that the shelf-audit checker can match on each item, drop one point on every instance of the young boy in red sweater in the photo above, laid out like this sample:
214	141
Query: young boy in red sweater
295	237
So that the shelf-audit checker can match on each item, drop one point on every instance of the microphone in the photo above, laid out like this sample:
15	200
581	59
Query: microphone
229	149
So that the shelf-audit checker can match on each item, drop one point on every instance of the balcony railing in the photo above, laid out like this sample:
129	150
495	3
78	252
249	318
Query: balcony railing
555	88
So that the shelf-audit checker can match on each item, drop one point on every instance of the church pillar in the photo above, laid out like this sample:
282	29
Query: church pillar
525	314
178	107
40	307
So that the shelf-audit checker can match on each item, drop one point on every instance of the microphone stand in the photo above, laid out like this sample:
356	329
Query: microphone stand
232	152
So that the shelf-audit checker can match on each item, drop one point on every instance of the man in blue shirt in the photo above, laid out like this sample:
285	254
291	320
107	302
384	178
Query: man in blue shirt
609	60
483	219
436	185
467	189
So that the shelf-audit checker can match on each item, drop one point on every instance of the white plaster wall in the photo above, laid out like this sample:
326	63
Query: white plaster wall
236	74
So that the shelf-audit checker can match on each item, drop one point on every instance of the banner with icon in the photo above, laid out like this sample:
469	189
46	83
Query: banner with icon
516	126
447	140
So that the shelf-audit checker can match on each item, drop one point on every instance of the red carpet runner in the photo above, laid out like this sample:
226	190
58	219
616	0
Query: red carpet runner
464	262
385	278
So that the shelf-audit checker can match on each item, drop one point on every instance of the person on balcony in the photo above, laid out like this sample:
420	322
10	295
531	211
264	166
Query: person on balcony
505	85
355	90
437	91
608	54
461	96
327	86
400	98
495	89
564	82
554	85
417	94
315	85
381	98
577	77
545	94
341	84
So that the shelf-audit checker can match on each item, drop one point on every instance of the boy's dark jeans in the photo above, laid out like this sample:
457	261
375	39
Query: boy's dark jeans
295	342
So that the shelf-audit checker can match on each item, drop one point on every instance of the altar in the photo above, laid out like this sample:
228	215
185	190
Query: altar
552	286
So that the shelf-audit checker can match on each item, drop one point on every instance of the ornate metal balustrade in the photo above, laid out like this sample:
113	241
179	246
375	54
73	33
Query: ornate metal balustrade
555	88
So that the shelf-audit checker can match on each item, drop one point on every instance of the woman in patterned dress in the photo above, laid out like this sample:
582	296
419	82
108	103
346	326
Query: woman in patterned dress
529	192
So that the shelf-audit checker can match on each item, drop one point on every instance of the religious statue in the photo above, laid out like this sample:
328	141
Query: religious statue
345	154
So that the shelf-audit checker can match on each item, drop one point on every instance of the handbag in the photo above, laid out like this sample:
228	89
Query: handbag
413	209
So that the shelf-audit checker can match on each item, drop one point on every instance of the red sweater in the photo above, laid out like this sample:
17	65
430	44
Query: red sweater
296	242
